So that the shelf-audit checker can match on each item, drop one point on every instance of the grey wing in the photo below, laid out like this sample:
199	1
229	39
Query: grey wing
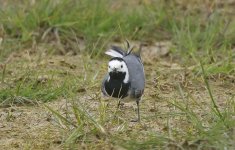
136	74
103	87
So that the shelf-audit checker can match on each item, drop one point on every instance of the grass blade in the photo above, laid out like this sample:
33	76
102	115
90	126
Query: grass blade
217	111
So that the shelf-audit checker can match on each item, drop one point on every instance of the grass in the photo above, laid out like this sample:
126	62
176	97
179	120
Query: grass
51	64
91	22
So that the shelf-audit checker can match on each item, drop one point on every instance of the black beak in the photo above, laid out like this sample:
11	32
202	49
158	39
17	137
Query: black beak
115	70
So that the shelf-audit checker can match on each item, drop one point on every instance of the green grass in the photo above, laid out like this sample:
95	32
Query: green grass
89	21
99	23
53	50
31	88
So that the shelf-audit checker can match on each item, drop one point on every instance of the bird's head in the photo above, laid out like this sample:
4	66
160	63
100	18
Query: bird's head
117	69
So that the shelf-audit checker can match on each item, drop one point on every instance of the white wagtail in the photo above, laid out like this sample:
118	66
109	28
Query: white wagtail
125	76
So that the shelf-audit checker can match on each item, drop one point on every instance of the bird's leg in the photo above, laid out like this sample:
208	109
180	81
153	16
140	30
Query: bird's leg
138	112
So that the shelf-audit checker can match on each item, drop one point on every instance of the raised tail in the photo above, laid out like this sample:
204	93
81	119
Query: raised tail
116	51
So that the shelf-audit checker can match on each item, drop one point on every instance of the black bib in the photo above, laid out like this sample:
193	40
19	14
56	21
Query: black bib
115	87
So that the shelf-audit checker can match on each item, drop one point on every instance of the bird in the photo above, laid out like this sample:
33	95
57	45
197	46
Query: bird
125	77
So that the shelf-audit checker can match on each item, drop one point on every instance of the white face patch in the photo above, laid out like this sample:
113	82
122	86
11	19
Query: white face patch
119	66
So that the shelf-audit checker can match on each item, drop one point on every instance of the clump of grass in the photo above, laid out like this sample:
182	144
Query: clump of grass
31	86
211	129
80	123
30	92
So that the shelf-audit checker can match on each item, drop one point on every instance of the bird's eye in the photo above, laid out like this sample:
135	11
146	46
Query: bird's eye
109	66
121	66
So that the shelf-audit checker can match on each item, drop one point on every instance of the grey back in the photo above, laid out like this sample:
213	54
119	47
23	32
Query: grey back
136	74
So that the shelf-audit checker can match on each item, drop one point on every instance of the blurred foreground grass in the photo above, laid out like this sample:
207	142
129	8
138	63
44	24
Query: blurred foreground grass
52	50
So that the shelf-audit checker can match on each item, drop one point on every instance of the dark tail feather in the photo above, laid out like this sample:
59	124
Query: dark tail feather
119	50
115	51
